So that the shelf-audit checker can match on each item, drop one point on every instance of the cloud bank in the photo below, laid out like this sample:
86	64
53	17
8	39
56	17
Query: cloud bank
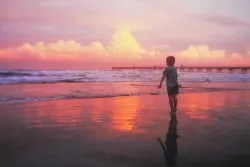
123	49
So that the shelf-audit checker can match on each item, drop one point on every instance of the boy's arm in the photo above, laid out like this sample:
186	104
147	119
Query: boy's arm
162	79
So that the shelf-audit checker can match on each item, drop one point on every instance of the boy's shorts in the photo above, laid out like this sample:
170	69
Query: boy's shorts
173	90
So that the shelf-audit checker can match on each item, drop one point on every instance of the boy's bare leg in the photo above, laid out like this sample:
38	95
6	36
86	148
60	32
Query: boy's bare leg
171	103
175	99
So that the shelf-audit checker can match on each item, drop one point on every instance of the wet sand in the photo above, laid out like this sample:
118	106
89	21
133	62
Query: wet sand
210	129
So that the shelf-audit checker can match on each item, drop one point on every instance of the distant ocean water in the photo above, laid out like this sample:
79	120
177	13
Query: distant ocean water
24	86
15	77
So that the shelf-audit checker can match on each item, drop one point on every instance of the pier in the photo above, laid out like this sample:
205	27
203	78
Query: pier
218	69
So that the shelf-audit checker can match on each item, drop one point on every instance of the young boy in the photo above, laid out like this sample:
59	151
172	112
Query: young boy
170	73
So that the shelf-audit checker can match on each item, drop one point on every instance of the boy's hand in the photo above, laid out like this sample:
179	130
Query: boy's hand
180	86
159	87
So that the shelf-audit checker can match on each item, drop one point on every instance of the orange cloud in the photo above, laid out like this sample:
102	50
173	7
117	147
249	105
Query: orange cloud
124	49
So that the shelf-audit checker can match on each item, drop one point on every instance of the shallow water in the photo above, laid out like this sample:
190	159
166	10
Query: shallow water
21	93
212	130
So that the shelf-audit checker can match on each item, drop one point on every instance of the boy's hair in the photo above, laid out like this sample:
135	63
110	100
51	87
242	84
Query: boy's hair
170	60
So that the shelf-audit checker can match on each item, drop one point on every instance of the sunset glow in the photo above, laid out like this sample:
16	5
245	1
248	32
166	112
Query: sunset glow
85	35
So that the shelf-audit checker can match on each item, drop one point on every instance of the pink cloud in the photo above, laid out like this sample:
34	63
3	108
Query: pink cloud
123	49
203	55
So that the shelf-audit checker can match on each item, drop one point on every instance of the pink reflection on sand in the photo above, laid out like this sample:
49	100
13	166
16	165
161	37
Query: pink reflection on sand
195	105
198	105
124	113
97	111
53	113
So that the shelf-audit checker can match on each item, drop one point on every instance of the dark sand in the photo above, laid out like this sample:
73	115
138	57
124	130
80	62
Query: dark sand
210	130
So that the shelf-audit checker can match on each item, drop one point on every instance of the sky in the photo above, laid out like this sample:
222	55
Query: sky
84	34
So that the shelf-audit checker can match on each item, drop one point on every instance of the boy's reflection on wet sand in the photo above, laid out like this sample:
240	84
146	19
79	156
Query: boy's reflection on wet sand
170	145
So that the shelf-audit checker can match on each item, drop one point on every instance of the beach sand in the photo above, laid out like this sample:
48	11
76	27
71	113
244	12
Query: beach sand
211	129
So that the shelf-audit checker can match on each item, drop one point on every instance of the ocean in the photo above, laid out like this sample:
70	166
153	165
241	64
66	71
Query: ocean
21	86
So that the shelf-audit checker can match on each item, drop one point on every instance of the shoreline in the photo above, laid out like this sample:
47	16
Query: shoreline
22	93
